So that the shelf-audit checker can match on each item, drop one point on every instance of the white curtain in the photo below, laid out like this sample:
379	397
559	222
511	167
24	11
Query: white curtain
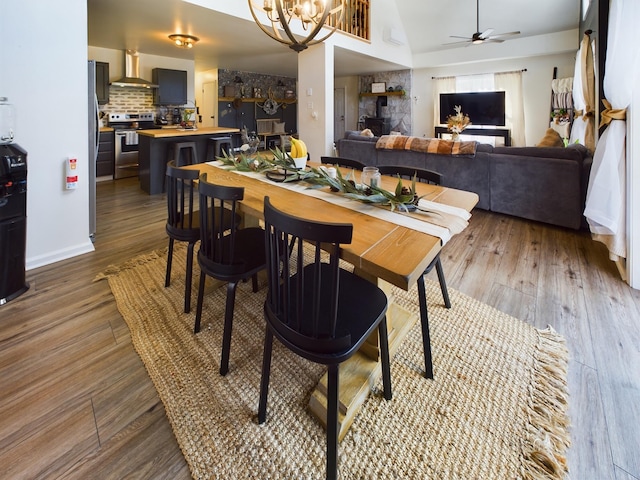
511	83
475	83
606	196
441	85
579	127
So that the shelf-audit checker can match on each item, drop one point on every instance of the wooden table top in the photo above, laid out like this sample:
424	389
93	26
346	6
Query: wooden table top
181	132
382	249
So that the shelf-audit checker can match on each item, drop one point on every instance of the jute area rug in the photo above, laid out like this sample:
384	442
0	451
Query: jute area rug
495	410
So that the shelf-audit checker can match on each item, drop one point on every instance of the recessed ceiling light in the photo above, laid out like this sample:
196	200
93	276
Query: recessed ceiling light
182	40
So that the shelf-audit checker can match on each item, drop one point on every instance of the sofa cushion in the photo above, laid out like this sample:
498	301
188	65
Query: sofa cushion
572	152
551	139
278	127
361	138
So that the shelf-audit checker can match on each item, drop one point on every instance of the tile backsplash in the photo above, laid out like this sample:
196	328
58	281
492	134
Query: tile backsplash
131	100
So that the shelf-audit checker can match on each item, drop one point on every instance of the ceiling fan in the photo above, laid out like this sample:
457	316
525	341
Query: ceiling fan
482	37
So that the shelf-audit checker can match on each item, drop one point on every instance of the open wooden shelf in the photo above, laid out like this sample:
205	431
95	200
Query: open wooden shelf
258	100
401	93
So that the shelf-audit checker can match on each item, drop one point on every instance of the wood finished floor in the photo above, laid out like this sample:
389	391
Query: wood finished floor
76	402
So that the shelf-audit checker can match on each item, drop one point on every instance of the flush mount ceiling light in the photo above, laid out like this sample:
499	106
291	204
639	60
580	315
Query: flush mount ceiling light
184	41
312	15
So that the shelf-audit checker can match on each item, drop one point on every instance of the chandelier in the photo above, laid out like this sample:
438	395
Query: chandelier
312	14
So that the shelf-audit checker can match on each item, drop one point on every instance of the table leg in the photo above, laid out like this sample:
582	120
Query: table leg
360	373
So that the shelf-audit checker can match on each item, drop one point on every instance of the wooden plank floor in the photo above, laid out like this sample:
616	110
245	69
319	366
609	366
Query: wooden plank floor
76	402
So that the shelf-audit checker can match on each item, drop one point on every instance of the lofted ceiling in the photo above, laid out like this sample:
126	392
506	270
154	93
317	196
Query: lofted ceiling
236	44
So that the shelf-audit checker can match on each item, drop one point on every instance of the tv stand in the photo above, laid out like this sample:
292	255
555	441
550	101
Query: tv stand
505	133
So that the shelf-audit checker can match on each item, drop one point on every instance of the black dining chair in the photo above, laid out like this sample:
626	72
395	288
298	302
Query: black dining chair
182	220
435	178
422	175
227	252
343	162
313	307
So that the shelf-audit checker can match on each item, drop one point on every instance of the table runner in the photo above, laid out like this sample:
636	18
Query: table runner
442	221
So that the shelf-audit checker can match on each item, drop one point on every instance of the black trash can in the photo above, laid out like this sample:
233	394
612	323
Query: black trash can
13	221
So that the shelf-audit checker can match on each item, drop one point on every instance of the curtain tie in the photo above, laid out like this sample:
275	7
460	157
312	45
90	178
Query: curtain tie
609	113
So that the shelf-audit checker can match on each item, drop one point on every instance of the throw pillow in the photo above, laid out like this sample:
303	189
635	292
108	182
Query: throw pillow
278	128
366	133
551	139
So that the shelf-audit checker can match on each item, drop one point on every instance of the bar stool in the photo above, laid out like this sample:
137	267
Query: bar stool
190	155
217	145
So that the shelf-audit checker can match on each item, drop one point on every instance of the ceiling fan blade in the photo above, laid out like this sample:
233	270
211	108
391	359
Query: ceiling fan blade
492	40
459	43
458	36
504	34
486	33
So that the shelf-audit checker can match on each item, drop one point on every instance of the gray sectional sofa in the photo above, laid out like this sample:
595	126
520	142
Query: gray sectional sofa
545	184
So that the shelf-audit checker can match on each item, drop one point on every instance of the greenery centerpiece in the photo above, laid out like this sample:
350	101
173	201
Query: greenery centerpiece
403	198
281	167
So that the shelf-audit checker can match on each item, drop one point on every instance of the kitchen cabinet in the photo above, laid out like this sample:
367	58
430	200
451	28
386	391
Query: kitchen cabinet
172	86
102	82
106	155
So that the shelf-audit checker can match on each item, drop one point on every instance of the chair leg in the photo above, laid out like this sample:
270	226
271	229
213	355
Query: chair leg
424	320
167	279
254	282
228	326
196	327
266	372
443	283
187	281
332	422
384	357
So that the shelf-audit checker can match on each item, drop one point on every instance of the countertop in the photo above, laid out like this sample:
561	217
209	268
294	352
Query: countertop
106	129
180	132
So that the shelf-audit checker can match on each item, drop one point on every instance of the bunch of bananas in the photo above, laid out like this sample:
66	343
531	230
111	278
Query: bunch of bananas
298	148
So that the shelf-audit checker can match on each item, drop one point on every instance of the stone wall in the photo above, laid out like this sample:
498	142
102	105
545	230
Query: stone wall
251	81
398	109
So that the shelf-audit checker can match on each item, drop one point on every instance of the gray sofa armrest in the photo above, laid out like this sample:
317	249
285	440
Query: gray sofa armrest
537	188
363	151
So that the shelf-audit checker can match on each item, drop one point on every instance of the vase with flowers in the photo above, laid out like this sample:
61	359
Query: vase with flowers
457	123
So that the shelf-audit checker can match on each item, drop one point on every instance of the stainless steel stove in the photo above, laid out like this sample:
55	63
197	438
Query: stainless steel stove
125	126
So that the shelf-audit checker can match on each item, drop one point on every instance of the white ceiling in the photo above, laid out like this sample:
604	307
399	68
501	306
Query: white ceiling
232	43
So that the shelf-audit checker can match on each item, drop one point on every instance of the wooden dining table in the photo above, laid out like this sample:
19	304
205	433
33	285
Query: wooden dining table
382	251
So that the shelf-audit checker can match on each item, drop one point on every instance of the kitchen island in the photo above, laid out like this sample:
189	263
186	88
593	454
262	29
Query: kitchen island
155	149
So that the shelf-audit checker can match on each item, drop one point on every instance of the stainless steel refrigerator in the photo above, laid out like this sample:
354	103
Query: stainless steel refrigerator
94	139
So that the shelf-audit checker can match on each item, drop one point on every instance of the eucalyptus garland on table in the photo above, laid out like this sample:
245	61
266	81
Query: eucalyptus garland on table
403	198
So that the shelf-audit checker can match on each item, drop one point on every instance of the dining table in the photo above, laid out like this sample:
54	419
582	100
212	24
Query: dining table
389	248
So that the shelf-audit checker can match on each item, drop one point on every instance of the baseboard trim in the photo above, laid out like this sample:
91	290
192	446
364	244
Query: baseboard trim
59	255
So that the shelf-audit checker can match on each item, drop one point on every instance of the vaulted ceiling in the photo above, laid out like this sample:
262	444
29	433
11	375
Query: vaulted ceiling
233	43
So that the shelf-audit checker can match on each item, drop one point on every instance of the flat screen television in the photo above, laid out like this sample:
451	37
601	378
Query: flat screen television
483	108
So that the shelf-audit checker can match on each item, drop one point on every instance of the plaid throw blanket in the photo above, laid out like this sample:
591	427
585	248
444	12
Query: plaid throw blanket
428	145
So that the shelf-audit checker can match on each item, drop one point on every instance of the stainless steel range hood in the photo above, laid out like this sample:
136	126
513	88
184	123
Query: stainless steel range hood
132	73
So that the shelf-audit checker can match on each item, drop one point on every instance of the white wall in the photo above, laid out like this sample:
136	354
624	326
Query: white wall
351	85
536	87
44	67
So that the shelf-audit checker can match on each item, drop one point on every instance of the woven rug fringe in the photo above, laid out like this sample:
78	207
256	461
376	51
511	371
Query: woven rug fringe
548	422
113	270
